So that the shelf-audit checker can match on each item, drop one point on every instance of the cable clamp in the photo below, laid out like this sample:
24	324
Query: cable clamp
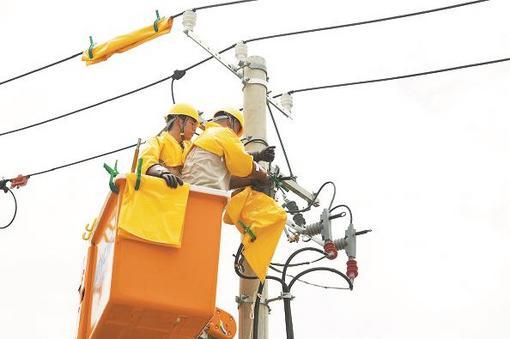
20	180
286	295
250	81
3	185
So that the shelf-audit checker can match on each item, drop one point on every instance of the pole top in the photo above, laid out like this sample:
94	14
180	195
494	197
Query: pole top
256	62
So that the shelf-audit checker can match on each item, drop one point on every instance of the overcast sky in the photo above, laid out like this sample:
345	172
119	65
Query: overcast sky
422	161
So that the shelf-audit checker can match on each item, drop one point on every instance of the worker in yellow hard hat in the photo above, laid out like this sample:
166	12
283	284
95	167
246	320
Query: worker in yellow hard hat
217	159
162	157
218	154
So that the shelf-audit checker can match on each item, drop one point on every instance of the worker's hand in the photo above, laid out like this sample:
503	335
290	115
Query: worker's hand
260	174
172	180
267	154
261	186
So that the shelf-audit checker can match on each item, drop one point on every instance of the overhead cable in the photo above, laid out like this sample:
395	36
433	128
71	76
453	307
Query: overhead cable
86	107
77	162
6	189
280	139
359	23
41	68
182	72
362	82
80	53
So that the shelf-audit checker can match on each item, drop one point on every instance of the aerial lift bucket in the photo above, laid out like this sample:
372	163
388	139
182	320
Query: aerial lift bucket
135	289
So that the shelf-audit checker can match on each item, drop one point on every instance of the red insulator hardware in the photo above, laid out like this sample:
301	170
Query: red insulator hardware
352	269
19	181
330	249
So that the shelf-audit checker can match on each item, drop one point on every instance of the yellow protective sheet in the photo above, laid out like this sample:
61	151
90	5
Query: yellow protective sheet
125	42
265	218
155	212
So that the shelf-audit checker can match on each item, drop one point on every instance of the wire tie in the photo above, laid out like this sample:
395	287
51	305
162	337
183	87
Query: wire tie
138	174
91	47
247	230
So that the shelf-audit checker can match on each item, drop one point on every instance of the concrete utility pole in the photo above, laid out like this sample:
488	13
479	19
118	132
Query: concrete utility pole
254	103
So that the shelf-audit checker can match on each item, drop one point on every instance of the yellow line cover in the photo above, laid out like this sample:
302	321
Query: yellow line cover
125	42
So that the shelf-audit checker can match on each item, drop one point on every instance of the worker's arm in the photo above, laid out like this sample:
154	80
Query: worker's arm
258	176
150	154
239	162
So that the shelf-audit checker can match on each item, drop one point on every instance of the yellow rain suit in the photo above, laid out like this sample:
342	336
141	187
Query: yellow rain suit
257	211
164	150
125	42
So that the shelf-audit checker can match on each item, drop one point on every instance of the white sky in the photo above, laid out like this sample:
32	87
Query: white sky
422	161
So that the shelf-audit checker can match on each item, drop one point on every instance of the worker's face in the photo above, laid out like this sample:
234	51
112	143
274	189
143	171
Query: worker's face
190	127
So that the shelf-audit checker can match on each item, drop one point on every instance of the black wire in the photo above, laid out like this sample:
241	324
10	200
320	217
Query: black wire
223	4
255	327
314	269
280	139
301	263
81	161
307	208
307	282
262	141
366	22
15	209
249	40
344	206
80	53
86	107
289	260
484	63
40	68
172	90
209	58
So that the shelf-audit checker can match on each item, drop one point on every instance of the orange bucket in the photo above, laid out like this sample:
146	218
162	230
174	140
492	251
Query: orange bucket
137	289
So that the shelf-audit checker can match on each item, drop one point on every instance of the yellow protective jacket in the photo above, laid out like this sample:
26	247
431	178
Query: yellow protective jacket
225	143
162	149
265	219
125	42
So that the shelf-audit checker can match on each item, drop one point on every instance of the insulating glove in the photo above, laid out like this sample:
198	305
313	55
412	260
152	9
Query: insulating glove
267	154
162	172
172	180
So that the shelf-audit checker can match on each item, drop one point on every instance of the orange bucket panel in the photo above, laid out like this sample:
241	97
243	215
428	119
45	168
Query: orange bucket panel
136	289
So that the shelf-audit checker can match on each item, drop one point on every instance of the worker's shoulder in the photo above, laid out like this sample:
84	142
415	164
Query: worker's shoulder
220	131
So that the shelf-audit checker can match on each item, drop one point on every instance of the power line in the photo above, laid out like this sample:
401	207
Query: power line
442	70
77	162
352	24
401	16
82	161
79	53
280	139
182	72
41	68
86	107
309	283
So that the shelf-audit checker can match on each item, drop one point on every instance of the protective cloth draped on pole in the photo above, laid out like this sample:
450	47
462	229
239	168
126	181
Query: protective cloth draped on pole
125	42
153	213
265	218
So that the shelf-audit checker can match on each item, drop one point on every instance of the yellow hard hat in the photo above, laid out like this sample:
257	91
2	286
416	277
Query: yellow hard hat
236	114
184	109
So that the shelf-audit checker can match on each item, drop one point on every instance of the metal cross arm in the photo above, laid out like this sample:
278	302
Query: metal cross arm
189	21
